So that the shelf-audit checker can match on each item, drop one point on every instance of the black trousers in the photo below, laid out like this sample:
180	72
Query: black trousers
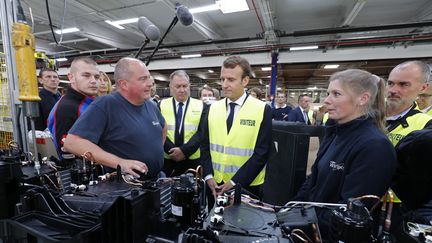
172	168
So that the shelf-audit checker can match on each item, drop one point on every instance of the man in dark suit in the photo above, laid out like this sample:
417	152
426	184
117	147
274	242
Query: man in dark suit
300	113
49	96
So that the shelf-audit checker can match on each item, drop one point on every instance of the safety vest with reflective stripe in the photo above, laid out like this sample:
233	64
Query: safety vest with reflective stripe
230	151
415	122
311	118
191	121
325	118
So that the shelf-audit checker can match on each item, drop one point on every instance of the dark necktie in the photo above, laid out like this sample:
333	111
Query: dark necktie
177	135
179	116
231	116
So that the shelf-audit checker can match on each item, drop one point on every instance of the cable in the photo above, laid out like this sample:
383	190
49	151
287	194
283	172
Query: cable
63	18
50	22
294	231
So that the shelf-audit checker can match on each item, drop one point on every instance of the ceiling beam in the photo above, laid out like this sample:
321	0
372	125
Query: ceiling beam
267	20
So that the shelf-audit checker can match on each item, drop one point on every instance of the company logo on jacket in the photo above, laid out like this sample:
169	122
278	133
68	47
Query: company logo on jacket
336	166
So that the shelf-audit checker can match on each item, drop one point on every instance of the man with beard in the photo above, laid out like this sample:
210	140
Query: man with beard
406	81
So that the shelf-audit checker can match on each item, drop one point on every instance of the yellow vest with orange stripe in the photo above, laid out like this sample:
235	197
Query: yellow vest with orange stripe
230	151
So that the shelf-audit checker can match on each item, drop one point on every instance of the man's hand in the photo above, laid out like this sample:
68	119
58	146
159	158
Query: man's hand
176	154
133	167
212	185
223	188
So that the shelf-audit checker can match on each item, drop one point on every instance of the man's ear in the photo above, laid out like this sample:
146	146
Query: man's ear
123	83
71	77
424	88
40	80
245	81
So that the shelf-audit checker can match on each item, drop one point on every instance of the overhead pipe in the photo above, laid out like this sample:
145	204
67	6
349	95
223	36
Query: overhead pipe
264	48
341	30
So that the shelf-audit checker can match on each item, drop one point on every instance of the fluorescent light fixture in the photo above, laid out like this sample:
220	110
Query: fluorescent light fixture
98	50
266	68
118	23
331	66
191	56
61	59
311	88
68	30
202	9
114	24
210	71
230	6
70	41
279	88
300	48
269	76
354	12
65	81
126	21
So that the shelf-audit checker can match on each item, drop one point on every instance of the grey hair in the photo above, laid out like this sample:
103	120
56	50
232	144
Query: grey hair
122	69
425	69
180	73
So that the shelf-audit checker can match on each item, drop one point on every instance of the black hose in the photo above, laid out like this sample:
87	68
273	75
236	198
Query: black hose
50	22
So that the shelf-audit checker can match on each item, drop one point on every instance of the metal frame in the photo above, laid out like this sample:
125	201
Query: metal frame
8	17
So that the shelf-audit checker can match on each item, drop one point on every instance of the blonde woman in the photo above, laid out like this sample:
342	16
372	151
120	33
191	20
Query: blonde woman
104	84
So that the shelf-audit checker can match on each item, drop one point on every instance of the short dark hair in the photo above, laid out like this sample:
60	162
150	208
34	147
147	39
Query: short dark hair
301	96
234	61
258	92
41	72
205	87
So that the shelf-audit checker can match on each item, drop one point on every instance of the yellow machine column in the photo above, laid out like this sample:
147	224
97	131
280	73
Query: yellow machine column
23	42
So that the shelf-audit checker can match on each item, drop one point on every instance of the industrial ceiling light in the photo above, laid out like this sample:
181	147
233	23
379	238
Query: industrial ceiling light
331	66
202	9
69	41
230	6
191	56
68	30
61	59
210	71
358	6
300	48
266	68
118	23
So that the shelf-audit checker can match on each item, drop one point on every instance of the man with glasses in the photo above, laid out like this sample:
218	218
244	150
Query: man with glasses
424	101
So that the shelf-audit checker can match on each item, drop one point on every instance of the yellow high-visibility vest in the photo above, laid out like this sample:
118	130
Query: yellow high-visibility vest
311	118
230	151
192	117
415	122
325	118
